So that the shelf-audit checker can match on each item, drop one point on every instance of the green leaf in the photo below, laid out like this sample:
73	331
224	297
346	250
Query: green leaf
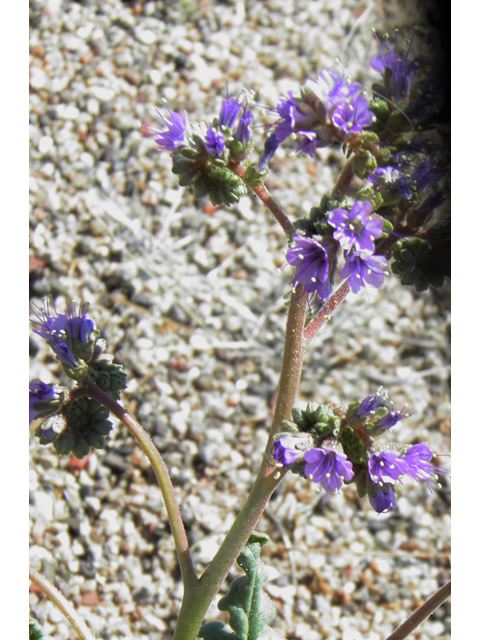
215	631
249	606
35	633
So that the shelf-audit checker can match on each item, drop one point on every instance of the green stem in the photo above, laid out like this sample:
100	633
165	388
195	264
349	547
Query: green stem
422	613
178	530
196	603
62	603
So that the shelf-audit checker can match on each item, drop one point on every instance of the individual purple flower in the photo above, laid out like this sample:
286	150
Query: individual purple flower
271	145
402	69
288	449
356	229
362	269
242	133
229	112
352	116
386	467
39	393
61	327
384	499
311	259
385	175
174	137
215	142
328	468
64	354
417	459
391	419
371	404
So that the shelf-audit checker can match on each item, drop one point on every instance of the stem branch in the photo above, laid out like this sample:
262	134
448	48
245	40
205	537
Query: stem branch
422	613
267	199
178	530
62	603
328	308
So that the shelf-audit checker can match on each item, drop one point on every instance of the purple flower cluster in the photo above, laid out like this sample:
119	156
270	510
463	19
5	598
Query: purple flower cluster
329	108
232	110
402	69
330	468
65	332
355	232
387	468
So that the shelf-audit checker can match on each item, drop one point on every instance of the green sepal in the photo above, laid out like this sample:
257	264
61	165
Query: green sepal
65	442
252	177
109	377
381	109
237	151
222	185
364	163
399	122
319	420
419	263
250	608
80	447
352	444
35	632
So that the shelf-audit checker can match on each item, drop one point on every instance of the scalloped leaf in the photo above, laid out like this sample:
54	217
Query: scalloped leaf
249	606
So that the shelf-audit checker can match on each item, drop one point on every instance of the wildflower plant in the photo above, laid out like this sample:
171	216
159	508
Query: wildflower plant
382	216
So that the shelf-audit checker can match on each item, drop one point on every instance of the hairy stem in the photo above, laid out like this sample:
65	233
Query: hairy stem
267	199
328	308
196	603
344	180
422	613
62	603
178	530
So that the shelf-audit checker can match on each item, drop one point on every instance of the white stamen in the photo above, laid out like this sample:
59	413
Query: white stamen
276	475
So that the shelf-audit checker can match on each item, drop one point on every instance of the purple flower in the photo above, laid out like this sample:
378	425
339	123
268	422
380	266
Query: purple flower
229	112
288	449
328	468
371	404
362	269
391	419
402	69
271	145
39	392
215	142
417	459
386	175
352	116
65	332
242	134
61	327
384	499
174	137
356	229
386	467
312	262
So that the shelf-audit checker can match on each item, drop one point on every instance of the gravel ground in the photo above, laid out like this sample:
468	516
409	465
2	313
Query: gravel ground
191	301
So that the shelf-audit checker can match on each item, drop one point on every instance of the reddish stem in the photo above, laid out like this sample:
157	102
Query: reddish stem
327	309
267	199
